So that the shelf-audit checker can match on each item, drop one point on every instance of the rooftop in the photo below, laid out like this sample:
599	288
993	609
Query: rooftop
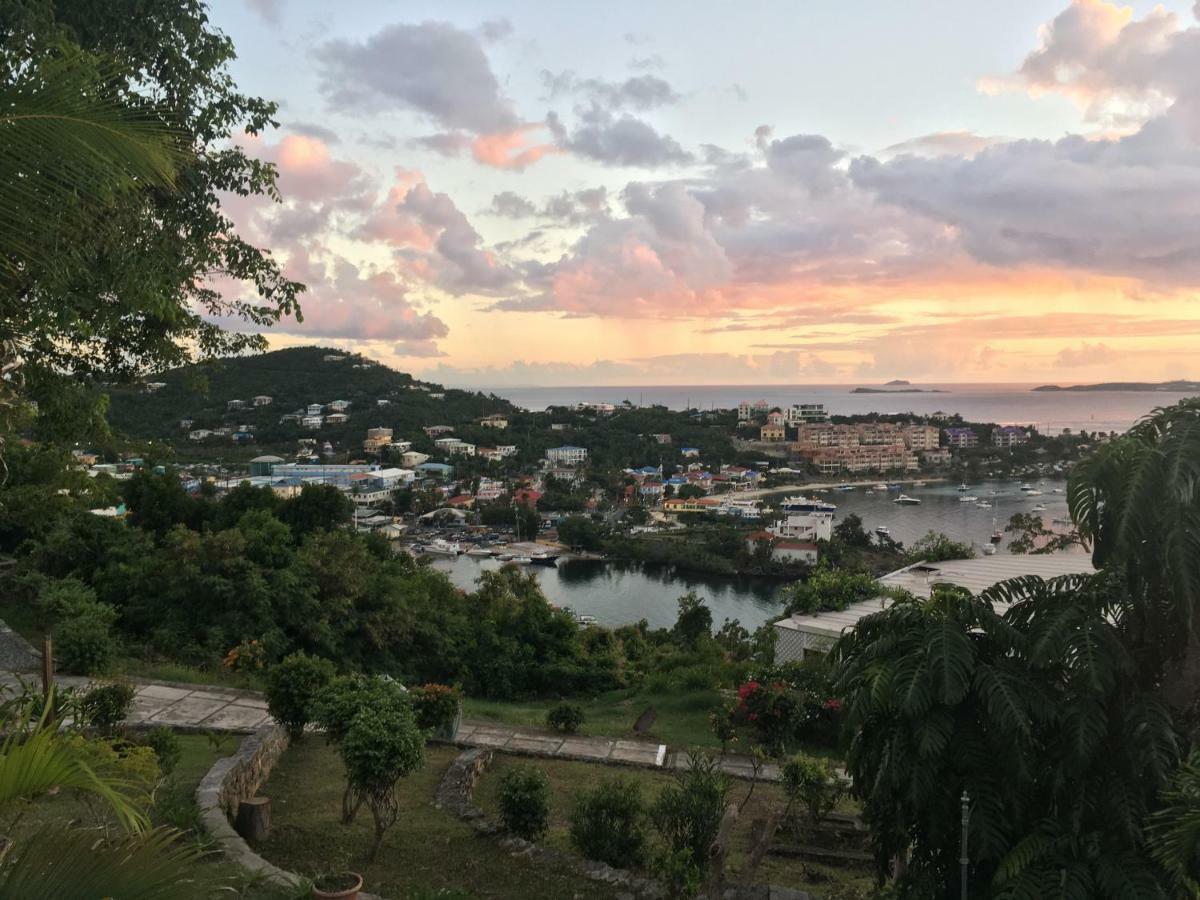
976	575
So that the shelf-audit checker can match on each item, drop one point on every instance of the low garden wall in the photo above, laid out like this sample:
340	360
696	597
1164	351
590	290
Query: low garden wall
236	778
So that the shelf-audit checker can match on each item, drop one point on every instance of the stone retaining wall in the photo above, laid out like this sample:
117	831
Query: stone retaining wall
233	779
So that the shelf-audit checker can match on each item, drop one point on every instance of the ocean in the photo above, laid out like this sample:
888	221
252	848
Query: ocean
1005	404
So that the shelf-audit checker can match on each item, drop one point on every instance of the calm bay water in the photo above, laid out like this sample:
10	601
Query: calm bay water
1007	404
620	593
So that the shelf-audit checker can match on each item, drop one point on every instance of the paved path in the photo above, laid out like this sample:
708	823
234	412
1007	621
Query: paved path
200	708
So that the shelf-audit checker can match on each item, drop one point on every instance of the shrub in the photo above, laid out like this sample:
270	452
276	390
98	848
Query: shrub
86	645
525	802
292	689
813	782
340	701
165	744
678	872
607	823
381	746
688	813
435	705
772	712
105	706
566	717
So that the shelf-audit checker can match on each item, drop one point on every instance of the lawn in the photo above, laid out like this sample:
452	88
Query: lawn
682	721
566	779
426	850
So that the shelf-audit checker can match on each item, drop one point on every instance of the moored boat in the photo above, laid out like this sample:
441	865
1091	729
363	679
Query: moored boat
905	500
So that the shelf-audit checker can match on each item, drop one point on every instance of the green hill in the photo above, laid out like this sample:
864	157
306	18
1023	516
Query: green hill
293	379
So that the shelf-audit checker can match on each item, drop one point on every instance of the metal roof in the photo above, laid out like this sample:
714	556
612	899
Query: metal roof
976	575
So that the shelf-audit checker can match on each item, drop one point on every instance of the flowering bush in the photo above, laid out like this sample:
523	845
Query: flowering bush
245	657
435	705
771	712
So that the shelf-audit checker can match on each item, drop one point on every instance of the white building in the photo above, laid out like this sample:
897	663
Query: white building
803	413
453	446
340	405
494	421
813	526
312	422
263	400
800	635
410	459
567	455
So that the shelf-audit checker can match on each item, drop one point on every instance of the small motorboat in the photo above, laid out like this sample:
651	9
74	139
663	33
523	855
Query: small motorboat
504	557
905	500
983	504
968	498
962	487
1033	492
1041	507
440	547
844	487
883	531
522	560
585	620
880	487
479	551
989	549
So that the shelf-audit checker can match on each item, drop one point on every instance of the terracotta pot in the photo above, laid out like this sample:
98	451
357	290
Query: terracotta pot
350	893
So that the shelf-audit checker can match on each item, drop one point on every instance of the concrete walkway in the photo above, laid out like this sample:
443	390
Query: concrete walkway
576	747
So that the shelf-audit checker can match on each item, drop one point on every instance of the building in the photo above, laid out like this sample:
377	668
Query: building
567	455
337	418
784	549
802	635
264	465
506	450
339	405
814	526
452	446
804	413
200	434
678	505
772	433
744	411
494	421
961	438
377	439
689	452
922	437
314	409
1009	436
661	438
262	400
312	422
437	430
412	459
236	404
776	417
938	457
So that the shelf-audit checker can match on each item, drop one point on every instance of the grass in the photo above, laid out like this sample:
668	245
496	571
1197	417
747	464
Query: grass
566	778
682	722
426	850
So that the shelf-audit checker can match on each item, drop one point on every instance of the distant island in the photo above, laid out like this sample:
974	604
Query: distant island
1133	386
898	382
903	390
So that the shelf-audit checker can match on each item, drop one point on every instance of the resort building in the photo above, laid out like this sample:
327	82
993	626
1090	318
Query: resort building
799	636
377	439
961	438
772	433
1009	436
922	437
494	421
567	455
802	413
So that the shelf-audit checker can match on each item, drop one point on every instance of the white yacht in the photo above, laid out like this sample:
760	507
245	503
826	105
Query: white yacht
440	547
905	500
968	498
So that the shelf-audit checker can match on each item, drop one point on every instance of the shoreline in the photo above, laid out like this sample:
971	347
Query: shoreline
759	493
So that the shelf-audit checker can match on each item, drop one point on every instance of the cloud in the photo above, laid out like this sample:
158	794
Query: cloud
1121	70
942	143
313	130
640	92
783	367
435	239
617	140
1086	355
269	10
569	207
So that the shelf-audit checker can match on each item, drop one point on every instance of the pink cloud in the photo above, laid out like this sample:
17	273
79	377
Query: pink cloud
510	149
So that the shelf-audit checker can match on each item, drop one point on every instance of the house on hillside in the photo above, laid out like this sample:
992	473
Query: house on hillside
262	400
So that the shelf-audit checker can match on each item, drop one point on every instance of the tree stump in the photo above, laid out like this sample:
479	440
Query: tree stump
253	820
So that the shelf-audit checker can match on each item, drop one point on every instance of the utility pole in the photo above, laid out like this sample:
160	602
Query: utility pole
963	860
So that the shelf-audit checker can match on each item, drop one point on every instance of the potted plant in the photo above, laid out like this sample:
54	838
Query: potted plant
337	886
438	709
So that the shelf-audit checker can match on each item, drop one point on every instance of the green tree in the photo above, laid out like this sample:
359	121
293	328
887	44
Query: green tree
135	292
850	531
694	621
828	589
937	547
1032	535
580	532
318	507
293	688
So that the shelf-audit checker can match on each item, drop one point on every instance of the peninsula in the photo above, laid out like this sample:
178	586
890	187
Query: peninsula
1177	386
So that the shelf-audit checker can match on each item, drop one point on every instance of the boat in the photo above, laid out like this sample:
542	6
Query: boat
806	504
997	537
1041	507
962	487
504	557
989	549
1027	487
896	487
968	498
1057	491
883	531
983	504
915	484
522	560
880	487
479	551
585	620
844	487
1033	492
440	547
543	558
905	500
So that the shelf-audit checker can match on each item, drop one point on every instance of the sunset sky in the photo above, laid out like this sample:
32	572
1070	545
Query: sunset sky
707	192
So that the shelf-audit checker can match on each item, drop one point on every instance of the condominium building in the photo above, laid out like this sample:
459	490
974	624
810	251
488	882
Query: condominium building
567	455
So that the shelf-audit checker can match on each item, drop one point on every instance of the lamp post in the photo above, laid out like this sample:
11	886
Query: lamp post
964	860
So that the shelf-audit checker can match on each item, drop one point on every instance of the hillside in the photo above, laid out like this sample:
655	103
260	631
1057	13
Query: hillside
293	378
1182	387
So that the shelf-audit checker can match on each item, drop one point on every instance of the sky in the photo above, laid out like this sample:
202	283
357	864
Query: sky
522	193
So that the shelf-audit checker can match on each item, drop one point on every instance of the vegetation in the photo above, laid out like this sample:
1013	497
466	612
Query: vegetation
1032	535
435	706
293	687
525	802
936	547
608	823
566	717
829	590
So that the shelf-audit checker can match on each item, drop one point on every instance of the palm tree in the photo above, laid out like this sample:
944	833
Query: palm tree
1136	503
61	861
